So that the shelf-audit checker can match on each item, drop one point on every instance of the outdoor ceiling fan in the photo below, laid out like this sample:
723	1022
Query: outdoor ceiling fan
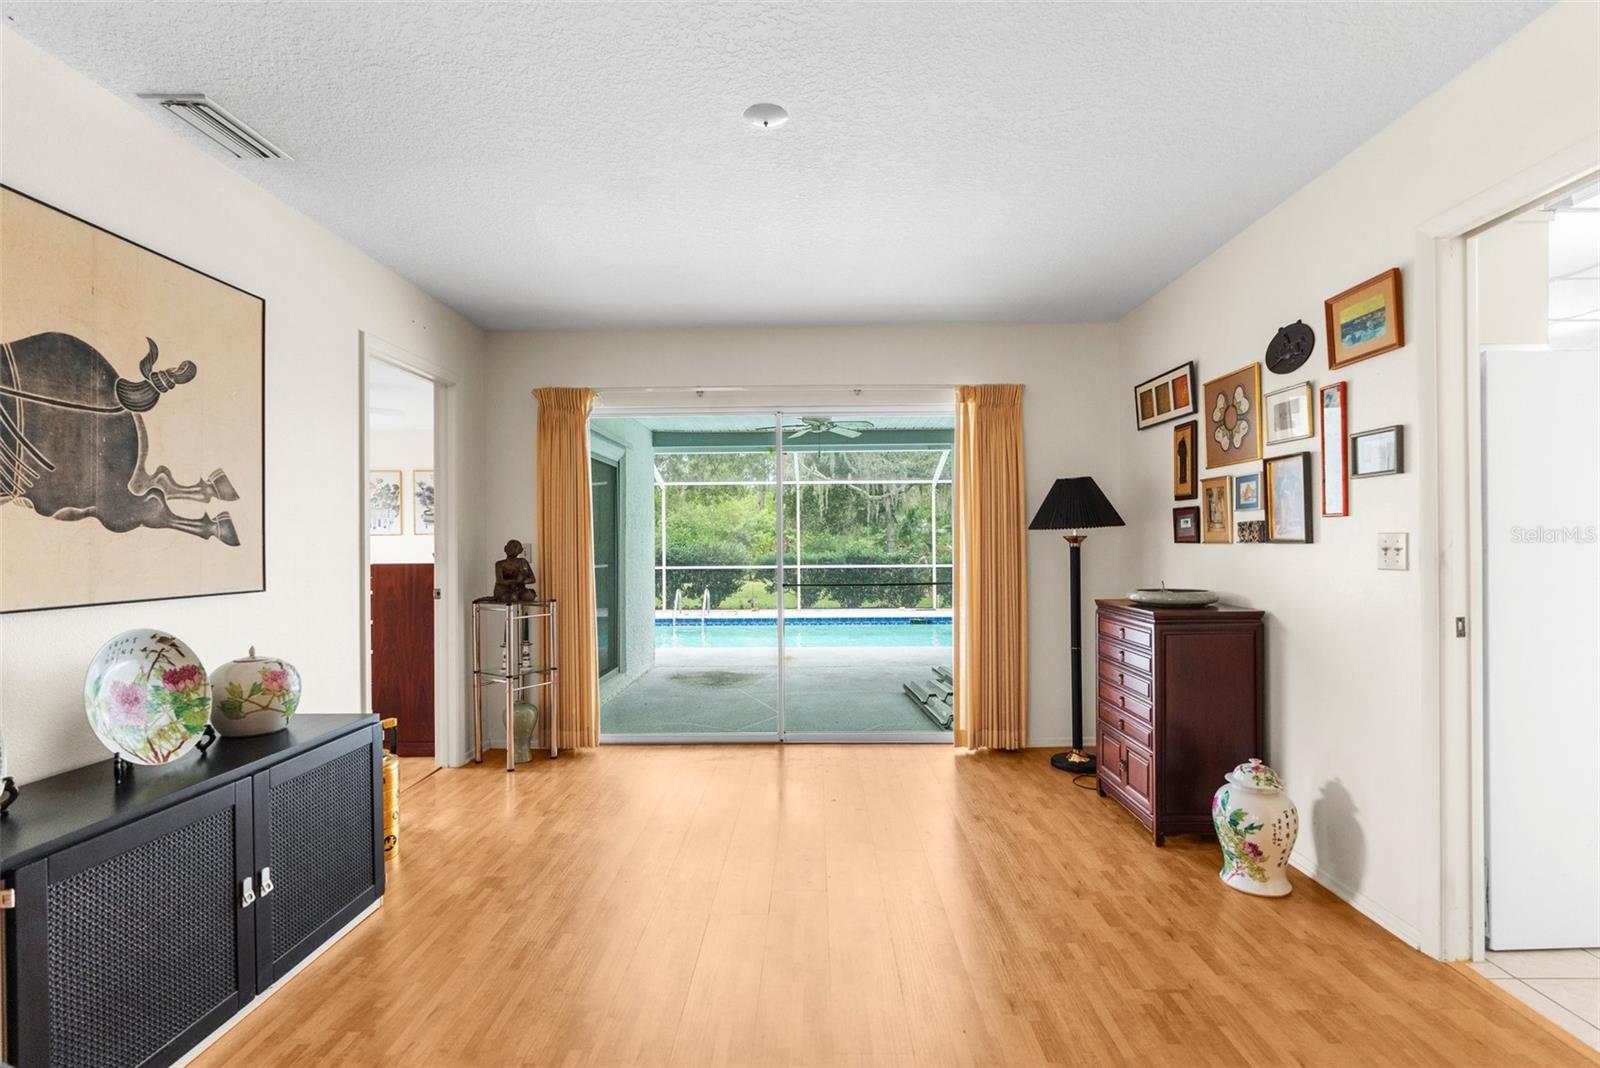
815	424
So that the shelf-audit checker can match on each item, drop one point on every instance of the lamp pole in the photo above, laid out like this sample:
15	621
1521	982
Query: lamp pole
1077	760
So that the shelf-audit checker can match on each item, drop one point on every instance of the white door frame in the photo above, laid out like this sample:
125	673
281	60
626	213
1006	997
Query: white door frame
449	620
1452	834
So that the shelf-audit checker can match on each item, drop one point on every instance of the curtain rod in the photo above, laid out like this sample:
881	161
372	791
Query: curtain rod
702	390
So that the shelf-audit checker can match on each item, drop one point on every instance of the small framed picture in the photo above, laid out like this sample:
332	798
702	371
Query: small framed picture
1252	531
1247	492
1216	510
1288	415
1233	417
1185	460
1335	442
1167	396
1288	486
1378	452
383	503
422	501
1186	524
1365	320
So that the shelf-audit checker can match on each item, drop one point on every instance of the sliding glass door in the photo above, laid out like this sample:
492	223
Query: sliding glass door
698	639
867	626
775	576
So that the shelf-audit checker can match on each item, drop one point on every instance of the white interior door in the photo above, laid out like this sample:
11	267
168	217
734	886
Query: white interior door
1541	505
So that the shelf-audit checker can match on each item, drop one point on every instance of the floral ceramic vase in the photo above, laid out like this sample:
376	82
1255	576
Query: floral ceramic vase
253	695
1256	824
147	697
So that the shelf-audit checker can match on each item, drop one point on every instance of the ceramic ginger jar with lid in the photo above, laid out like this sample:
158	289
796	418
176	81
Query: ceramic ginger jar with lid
1256	825
253	695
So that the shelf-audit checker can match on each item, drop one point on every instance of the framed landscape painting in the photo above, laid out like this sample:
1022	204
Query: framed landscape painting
1167	396
1365	320
131	420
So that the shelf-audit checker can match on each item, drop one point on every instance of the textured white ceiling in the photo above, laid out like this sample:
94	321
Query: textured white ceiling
586	165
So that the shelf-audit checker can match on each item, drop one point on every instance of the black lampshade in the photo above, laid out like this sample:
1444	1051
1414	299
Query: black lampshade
1075	504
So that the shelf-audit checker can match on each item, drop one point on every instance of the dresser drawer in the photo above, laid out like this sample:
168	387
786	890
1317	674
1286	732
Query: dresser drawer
1132	633
1127	724
1112	697
1134	683
1136	659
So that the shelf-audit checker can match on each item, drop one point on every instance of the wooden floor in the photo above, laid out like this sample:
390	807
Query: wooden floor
847	905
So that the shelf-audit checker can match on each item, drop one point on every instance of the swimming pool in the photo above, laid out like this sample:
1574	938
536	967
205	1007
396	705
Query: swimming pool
804	634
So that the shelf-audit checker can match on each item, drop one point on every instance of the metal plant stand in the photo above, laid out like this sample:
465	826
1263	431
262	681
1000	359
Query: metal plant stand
532	624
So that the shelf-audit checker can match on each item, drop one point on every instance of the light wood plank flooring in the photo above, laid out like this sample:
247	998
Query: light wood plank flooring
847	905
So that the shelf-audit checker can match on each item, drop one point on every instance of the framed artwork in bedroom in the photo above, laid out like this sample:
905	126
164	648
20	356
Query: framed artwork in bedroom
1365	320
1185	460
1233	417
131	420
1288	486
1186	524
1335	450
1167	396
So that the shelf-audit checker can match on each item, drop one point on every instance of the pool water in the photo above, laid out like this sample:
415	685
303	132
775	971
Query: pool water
805	634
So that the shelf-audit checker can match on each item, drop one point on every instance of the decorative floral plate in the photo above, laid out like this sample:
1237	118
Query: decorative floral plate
147	697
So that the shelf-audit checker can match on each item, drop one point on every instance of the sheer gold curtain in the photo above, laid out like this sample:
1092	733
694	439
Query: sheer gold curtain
991	572
563	526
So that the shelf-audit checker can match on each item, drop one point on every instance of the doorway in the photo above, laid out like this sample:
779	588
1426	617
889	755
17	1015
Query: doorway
1537	359
402	515
774	575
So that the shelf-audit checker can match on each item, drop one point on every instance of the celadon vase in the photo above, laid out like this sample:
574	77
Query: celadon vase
253	695
1256	824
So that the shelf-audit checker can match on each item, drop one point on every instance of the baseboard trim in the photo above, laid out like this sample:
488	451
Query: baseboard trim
1363	904
256	1001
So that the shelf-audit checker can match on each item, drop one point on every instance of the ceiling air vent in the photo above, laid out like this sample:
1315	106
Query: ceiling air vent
209	118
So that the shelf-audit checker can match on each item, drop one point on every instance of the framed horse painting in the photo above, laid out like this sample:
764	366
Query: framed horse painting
131	421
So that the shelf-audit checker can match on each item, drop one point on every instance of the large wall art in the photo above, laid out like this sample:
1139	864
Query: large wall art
131	420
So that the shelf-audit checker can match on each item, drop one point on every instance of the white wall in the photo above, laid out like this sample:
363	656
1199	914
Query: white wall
406	451
1069	371
79	148
1346	648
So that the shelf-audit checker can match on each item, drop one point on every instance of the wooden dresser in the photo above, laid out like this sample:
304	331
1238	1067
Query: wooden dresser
1180	700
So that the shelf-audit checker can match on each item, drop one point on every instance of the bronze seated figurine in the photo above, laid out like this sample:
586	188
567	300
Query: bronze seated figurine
513	578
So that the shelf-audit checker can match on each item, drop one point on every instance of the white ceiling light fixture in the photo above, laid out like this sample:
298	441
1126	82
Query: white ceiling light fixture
765	116
209	118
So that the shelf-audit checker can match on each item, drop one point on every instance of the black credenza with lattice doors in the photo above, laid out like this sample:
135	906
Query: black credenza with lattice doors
146	914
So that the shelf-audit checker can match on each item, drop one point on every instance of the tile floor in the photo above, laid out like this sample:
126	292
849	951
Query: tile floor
1563	985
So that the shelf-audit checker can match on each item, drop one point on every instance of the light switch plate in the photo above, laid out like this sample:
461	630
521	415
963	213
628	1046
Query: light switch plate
1394	552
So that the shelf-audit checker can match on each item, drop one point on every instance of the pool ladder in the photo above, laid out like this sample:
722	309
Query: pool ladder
705	607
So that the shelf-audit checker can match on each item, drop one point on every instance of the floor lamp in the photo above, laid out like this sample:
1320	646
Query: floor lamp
1075	505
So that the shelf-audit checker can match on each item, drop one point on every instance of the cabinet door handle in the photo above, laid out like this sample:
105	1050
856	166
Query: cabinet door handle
247	895
266	881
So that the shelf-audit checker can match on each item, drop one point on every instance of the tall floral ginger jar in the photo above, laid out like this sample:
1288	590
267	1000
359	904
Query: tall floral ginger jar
253	695
1256	824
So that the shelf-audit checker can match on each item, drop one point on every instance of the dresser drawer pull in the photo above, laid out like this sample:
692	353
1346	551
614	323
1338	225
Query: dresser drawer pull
1122	724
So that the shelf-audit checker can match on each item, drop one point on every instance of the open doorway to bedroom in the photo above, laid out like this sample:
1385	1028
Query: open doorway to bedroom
402	518
774	575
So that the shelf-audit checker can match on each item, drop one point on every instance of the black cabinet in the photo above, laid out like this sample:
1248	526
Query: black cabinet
147	914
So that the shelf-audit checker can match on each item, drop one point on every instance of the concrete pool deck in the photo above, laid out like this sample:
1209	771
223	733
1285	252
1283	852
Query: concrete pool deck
732	690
